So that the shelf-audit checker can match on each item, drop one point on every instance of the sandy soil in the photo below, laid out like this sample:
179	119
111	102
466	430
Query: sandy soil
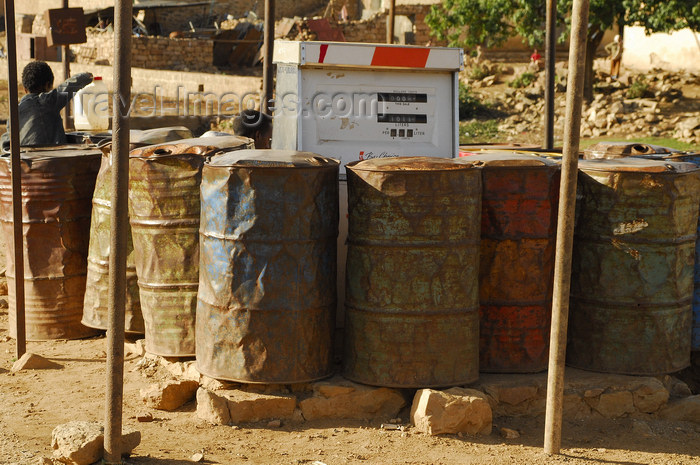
34	402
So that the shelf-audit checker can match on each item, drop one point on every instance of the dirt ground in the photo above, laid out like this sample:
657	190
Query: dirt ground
34	402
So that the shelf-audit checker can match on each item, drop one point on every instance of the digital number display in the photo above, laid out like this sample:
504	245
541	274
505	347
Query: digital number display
402	98
401	118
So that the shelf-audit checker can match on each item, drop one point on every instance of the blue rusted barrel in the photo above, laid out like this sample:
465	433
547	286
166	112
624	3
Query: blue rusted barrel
518	234
95	305
267	287
632	273
412	274
164	215
57	188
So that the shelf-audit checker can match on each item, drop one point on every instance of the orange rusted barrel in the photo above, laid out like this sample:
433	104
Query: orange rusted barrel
518	233
57	188
412	272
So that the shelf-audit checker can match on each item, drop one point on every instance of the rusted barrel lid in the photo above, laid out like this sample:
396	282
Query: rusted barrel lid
193	146
613	150
637	165
54	151
507	159
272	159
409	164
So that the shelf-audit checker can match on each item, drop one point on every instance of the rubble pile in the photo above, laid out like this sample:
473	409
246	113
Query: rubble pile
636	105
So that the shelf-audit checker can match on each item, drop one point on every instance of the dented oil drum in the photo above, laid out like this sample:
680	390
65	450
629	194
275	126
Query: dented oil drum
412	273
632	272
267	287
164	213
695	333
57	188
518	235
95	305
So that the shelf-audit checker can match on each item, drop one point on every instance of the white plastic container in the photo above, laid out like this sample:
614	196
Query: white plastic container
91	107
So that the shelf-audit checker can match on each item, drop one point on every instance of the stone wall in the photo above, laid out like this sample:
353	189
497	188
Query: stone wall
148	52
175	54
180	16
373	30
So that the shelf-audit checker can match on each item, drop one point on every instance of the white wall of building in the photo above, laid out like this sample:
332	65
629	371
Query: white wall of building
674	51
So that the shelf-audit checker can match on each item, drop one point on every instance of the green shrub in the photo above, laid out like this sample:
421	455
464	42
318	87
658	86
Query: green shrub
479	72
474	132
523	80
639	88
469	106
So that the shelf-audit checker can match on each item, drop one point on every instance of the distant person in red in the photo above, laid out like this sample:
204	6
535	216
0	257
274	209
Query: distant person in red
535	61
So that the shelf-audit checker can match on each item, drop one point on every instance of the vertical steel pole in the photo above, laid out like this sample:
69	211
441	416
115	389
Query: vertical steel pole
68	120
16	180
550	60
390	22
268	47
565	228
118	231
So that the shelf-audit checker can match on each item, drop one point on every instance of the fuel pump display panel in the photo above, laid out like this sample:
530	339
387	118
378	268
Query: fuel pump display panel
340	113
361	114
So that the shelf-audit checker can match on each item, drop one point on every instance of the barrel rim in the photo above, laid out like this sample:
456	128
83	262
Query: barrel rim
384	165
507	159
270	159
637	165
53	152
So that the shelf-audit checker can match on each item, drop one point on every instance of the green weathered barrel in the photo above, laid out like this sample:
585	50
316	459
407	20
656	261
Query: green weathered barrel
164	212
95	306
632	273
57	188
267	274
412	274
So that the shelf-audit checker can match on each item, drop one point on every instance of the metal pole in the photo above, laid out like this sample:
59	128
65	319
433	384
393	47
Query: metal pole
565	228
550	60
68	120
268	47
390	23
118	231
16	180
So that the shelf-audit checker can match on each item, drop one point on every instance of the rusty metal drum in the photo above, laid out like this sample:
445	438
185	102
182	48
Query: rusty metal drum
164	213
412	273
632	272
518	234
95	306
57	188
695	333
267	287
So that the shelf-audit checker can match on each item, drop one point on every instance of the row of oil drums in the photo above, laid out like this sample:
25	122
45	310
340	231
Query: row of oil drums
449	261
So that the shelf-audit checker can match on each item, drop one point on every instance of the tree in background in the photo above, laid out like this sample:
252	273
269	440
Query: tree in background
468	23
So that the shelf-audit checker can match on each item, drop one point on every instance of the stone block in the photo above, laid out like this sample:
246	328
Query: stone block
613	404
169	395
212	407
342	399
82	442
248	407
685	409
457	410
650	396
30	361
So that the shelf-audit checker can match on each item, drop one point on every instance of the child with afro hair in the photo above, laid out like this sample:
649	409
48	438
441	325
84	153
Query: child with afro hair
40	120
